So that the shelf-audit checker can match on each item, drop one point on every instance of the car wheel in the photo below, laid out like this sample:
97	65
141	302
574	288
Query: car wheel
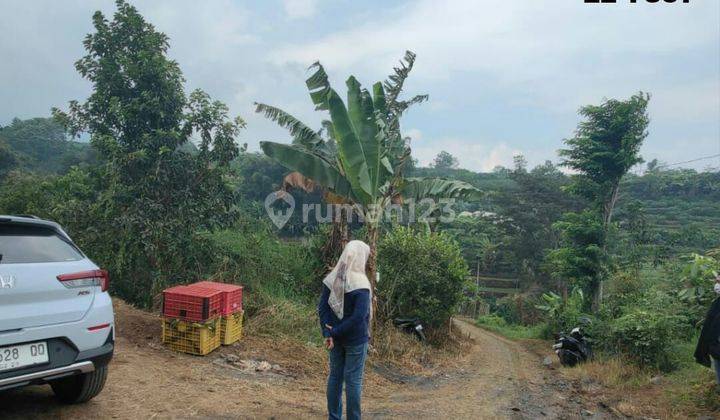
80	388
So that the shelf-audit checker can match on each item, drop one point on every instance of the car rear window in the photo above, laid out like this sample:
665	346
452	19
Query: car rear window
34	244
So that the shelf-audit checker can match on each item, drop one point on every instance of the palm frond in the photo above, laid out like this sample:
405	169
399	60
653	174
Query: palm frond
437	188
302	134
319	86
401	106
310	164
328	130
395	82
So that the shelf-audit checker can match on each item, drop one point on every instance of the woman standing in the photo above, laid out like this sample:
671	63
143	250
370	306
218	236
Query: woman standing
344	312
708	347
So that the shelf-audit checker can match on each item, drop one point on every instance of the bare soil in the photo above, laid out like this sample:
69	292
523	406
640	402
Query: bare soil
494	378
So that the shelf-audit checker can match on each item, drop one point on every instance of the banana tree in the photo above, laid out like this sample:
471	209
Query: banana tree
360	154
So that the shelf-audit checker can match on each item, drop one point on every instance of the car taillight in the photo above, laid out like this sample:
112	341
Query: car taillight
86	279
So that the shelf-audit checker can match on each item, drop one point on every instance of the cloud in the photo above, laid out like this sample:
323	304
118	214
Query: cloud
297	9
557	54
471	154
503	75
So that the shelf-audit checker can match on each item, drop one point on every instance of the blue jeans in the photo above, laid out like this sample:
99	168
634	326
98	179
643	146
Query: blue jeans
346	365
716	365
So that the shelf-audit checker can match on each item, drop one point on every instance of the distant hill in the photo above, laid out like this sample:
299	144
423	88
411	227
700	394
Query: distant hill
679	208
40	145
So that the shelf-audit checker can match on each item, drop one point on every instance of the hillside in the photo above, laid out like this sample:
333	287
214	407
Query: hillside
40	145
679	209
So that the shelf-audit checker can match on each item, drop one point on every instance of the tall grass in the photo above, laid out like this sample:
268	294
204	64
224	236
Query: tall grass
279	280
498	325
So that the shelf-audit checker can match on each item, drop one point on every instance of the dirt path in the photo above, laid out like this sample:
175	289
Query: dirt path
501	379
498	379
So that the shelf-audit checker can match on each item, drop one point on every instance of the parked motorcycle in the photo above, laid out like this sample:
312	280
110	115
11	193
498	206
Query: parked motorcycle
573	348
412	326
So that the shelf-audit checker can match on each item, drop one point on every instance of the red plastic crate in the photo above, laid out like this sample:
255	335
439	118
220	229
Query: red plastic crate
192	303
232	295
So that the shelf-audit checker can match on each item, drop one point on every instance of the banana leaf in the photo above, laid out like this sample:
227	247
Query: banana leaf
310	165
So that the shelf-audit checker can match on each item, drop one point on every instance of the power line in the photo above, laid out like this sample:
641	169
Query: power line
688	161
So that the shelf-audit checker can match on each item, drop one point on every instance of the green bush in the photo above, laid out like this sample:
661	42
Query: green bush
422	275
562	315
646	337
518	309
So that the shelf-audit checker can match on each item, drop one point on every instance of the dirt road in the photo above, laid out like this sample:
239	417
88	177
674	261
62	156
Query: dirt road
497	379
500	379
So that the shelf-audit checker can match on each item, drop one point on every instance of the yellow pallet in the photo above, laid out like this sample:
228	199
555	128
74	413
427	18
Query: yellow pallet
191	337
231	328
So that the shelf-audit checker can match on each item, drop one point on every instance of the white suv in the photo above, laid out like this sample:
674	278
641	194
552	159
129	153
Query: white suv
56	317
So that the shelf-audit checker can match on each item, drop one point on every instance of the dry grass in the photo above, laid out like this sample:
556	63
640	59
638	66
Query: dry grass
634	392
614	372
287	319
403	351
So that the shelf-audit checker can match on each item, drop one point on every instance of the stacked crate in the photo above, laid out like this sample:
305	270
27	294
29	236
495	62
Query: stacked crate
231	318
191	319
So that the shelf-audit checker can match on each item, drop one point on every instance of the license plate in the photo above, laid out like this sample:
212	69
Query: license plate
13	357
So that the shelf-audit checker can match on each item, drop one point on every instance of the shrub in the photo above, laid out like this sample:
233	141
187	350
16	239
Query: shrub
281	288
255	257
518	309
646	337
562	314
422	275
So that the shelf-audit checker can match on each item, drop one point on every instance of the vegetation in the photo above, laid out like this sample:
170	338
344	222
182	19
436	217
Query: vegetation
40	145
499	325
362	161
139	119
445	160
606	145
163	194
423	275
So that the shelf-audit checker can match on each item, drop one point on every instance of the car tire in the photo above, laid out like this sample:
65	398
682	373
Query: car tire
80	388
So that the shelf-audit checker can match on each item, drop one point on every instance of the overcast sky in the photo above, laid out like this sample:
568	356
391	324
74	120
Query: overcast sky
504	76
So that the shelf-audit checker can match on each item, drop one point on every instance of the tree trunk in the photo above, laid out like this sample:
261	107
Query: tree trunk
336	240
610	206
607	219
597	297
372	237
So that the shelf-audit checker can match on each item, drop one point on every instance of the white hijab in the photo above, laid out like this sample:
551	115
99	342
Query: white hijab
348	275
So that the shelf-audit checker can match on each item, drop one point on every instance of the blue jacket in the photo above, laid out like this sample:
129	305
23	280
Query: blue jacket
352	330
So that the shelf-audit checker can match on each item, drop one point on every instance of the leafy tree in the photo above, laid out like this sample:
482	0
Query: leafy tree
154	196
257	176
25	193
652	166
606	145
445	160
582	258
633	239
528	213
485	244
8	159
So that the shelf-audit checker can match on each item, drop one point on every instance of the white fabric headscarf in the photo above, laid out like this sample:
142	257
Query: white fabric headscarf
348	275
